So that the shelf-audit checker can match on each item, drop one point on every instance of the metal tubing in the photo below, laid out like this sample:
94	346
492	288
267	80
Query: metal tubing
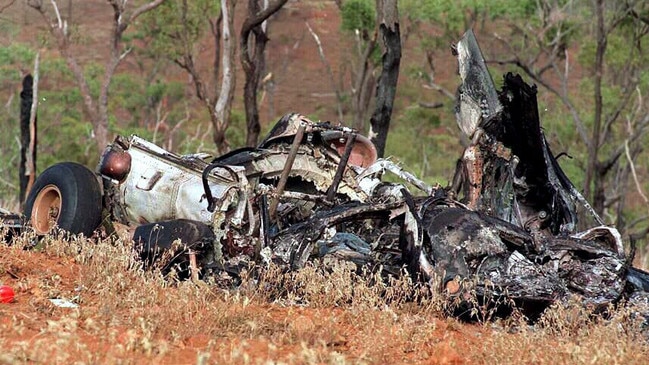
264	222
287	169
331	193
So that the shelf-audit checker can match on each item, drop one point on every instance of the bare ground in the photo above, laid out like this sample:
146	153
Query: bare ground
127	316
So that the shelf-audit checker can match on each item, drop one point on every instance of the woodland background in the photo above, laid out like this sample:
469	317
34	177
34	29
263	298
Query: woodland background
156	69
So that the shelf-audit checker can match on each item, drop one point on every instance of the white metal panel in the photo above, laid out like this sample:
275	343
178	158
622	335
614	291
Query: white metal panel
158	189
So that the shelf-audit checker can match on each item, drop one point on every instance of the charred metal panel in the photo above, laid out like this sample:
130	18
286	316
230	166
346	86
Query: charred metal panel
14	223
168	240
478	100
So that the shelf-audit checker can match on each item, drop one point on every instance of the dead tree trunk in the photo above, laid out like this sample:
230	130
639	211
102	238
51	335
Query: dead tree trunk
387	84
365	82
252	61
26	98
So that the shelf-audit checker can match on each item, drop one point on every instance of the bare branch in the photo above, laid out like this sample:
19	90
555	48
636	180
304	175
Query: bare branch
144	8
431	79
261	16
437	87
187	64
641	18
639	132
58	15
330	73
125	53
7	5
613	116
430	105
633	173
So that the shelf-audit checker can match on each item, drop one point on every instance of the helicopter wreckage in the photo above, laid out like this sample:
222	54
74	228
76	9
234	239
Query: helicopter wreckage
510	217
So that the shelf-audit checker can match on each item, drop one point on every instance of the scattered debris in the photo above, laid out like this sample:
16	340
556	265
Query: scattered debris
12	224
510	226
63	303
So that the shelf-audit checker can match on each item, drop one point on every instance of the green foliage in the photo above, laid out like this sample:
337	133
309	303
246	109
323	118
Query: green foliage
16	53
417	140
559	130
170	30
358	15
236	134
14	57
9	147
454	17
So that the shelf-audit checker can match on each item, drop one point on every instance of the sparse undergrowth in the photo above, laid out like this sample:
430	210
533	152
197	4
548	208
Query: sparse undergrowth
323	314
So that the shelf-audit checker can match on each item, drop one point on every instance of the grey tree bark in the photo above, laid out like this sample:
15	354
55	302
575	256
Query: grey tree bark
223	106
252	45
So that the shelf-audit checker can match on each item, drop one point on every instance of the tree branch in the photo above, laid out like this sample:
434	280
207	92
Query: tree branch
635	136
261	16
330	73
249	24
144	8
633	173
4	7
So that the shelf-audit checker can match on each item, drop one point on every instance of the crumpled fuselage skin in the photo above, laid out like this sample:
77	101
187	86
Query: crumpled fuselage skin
511	223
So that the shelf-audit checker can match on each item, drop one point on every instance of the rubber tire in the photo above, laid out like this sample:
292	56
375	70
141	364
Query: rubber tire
81	202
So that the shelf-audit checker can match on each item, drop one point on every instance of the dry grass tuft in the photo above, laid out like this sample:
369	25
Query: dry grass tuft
329	312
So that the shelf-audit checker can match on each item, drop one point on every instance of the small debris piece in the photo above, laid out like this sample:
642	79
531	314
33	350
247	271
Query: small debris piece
7	294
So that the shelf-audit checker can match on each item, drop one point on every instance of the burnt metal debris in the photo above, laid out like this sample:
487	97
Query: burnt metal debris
511	223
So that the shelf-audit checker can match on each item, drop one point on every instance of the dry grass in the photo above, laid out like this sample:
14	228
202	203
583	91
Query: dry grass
323	314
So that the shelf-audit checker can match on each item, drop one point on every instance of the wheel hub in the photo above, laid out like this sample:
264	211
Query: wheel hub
47	207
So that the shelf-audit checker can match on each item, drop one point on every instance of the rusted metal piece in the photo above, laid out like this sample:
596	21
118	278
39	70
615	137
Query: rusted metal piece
290	158
46	210
115	162
473	165
363	153
342	165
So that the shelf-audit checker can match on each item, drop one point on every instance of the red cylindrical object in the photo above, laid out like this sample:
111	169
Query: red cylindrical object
6	294
115	163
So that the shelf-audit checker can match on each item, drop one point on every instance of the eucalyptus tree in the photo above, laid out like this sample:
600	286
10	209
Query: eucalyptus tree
176	32
124	15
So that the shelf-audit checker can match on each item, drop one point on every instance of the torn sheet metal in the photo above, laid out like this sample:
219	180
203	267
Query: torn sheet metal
508	226
478	100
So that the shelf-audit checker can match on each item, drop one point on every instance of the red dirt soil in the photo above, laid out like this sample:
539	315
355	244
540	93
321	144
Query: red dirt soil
32	320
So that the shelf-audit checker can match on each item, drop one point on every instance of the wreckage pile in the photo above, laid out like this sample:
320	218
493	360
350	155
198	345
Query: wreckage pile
511	225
